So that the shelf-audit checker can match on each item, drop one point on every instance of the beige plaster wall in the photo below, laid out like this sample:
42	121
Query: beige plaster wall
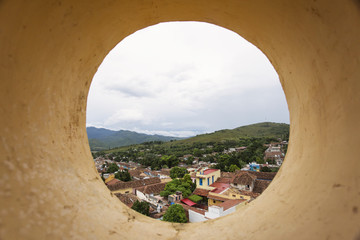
50	50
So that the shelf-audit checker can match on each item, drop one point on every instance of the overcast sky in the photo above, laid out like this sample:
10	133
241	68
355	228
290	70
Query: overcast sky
183	79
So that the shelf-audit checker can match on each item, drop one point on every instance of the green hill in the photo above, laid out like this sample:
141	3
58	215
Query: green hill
265	129
258	130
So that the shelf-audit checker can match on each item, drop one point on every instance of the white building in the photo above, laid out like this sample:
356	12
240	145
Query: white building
215	211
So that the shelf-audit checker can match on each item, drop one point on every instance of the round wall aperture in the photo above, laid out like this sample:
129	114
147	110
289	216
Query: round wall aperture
49	186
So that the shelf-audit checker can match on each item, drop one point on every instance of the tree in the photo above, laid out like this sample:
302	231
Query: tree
112	168
265	169
233	168
197	152
259	160
241	164
185	185
189	160
170	161
178	172
141	207
175	213
123	176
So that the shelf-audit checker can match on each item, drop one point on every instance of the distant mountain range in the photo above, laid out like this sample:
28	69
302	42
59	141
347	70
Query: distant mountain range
104	139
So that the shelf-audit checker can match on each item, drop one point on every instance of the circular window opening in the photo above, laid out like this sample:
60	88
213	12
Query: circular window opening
187	121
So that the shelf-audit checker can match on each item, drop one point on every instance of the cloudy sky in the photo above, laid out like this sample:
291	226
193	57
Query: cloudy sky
183	79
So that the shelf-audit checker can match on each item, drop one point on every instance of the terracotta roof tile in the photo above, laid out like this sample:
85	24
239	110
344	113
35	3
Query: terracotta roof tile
165	172
135	173
208	171
248	193
230	203
219	187
152	188
260	186
259	175
227	174
244	178
264	175
133	184
198	210
201	192
217	197
113	181
223	180
128	199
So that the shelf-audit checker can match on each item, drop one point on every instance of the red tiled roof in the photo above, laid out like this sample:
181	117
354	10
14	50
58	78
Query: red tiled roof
264	175
244	178
208	171
223	180
260	186
201	192
113	181
227	174
230	203
219	187
128	199
248	193
258	175
188	202
133	184
165	172
217	198
135	173
152	188
186	207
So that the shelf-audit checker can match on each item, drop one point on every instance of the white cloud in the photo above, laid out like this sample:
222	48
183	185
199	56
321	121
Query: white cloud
124	116
183	78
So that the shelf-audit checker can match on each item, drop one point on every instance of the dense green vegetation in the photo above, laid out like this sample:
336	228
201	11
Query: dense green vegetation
112	168
123	175
185	185
157	154
150	154
175	213
178	172
195	198
141	207
258	130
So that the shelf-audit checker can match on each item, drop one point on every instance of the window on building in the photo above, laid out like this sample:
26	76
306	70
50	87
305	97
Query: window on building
200	181
212	179
208	181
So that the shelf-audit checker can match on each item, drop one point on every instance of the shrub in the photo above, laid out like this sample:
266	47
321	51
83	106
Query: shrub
195	198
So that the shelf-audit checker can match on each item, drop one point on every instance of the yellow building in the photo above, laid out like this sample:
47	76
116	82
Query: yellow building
111	177
233	193
215	200
205	178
